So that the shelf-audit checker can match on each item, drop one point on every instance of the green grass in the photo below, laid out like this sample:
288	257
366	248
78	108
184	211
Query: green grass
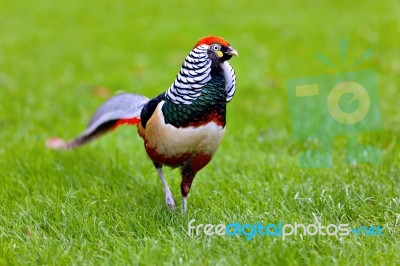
103	203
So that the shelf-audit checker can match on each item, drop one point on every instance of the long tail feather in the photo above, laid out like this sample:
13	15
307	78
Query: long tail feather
121	109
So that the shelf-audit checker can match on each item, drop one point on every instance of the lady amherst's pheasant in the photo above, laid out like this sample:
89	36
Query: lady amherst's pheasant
181	127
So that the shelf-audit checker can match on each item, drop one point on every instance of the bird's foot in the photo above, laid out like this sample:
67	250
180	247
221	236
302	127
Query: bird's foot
169	200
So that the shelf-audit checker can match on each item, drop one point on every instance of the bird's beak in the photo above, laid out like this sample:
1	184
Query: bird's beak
232	51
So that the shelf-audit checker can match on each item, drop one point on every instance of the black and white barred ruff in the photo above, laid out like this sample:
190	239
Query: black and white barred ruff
194	75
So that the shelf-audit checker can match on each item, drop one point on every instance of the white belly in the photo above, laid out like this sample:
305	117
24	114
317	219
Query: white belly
170	141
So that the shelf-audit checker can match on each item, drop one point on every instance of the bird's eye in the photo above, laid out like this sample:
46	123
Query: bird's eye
216	47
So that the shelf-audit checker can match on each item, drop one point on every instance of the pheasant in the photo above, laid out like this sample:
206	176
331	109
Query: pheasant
183	126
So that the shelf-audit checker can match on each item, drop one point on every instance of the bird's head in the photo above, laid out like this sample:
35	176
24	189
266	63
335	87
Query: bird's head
218	48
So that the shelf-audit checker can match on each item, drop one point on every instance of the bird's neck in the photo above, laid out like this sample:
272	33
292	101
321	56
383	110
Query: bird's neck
209	106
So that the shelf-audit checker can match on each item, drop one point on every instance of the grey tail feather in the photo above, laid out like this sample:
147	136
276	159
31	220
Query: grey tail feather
122	106
85	138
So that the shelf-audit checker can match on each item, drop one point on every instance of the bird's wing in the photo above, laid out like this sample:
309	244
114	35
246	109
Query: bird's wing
121	109
149	108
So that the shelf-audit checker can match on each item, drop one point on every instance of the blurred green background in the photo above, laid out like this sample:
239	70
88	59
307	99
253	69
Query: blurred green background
103	203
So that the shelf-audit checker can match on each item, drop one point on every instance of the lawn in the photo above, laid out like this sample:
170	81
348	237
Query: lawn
103	203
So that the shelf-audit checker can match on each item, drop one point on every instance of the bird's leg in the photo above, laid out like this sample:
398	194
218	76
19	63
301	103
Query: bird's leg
189	171
186	183
169	200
